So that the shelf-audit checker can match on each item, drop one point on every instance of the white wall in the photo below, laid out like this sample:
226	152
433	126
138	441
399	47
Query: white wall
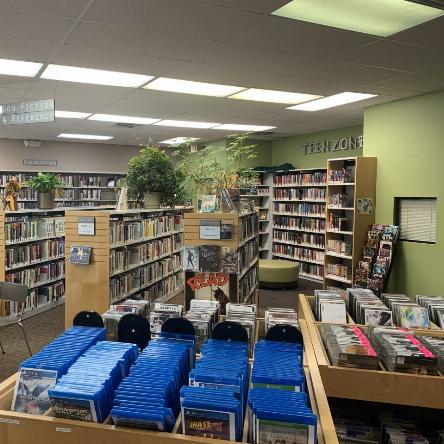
71	157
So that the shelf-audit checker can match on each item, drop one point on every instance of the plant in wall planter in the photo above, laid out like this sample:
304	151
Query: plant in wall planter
152	179
46	185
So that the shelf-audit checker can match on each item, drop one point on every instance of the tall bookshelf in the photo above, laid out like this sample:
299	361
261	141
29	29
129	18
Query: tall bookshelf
240	281
262	195
299	219
87	189
135	254
32	252
351	186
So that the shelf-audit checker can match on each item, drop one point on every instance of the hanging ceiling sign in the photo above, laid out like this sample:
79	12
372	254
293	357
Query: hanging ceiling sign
37	111
327	146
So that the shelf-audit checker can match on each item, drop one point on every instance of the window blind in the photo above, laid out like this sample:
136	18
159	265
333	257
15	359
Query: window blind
417	219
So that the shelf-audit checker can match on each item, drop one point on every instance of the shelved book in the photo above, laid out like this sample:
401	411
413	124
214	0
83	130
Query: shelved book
300	178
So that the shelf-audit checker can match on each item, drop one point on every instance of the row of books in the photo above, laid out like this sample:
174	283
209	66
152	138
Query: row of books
38	297
344	175
306	209
373	268
248	226
311	270
122	258
306	254
67	195
339	247
299	194
39	251
339	223
90	194
41	274
316	240
315	178
263	214
256	191
247	254
133	230
23	194
142	277
248	284
21	177
340	270
25	228
88	181
340	200
299	223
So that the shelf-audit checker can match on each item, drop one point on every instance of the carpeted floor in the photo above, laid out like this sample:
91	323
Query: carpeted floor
43	328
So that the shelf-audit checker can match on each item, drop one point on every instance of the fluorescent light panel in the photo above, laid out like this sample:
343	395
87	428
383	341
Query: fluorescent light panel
186	124
376	17
94	76
191	87
84	136
123	119
19	68
179	140
236	127
269	95
332	101
71	114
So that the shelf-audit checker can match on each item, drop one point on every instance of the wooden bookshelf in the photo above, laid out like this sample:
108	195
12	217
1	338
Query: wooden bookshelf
89	189
246	279
349	180
298	229
133	255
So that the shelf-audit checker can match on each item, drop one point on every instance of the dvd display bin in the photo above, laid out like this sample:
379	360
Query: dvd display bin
381	385
133	253
22	428
224	267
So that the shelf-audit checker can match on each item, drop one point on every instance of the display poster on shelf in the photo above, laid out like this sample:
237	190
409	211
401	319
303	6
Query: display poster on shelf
209	229
364	205
86	226
80	255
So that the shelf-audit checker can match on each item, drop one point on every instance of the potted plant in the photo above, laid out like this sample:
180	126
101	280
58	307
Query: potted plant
152	179
46	184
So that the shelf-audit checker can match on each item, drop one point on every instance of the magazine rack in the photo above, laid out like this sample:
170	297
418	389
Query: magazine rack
372	385
21	428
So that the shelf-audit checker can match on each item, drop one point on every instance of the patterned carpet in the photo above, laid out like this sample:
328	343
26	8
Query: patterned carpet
43	328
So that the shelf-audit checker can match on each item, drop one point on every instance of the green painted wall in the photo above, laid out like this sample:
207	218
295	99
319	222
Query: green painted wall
291	149
407	138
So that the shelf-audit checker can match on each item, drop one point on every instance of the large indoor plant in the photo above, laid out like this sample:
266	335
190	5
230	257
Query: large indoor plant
46	184
152	179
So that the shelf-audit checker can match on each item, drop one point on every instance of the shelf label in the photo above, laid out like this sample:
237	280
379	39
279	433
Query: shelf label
86	226
341	144
209	229
63	429
10	421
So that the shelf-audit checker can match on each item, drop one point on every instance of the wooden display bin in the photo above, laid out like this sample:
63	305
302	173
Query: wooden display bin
372	385
21	428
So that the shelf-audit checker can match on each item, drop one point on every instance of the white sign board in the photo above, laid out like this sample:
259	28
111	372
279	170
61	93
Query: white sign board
86	226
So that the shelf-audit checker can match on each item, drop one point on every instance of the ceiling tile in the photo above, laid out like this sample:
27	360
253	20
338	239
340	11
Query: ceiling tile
396	55
29	25
414	82
29	50
69	8
183	17
261	6
298	37
427	34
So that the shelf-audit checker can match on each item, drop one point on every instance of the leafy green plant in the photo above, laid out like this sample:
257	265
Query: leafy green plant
214	167
152	171
45	182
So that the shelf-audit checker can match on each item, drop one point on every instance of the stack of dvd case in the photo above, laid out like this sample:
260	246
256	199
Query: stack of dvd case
366	308
213	406
244	314
160	313
149	397
406	313
330	307
435	307
40	372
436	346
278	316
86	392
401	351
348	346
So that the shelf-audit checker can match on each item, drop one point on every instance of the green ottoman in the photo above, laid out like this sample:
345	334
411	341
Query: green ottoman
278	273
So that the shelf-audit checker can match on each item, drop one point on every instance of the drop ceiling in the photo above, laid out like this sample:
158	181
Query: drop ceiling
234	42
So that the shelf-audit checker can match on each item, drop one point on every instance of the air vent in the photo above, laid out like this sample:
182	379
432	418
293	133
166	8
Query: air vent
265	133
433	3
127	125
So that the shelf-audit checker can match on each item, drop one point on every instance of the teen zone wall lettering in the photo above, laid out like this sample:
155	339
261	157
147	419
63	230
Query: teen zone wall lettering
326	146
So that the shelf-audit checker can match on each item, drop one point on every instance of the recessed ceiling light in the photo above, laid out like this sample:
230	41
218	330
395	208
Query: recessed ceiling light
376	17
236	127
191	87
123	119
18	68
94	76
71	114
331	101
269	95
186	124
179	140
84	136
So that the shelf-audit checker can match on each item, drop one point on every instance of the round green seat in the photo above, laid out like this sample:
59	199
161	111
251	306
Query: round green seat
278	273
